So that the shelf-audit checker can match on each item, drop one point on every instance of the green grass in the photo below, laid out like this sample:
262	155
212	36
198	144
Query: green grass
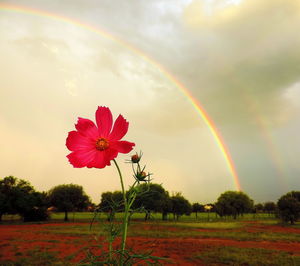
73	230
159	229
229	234
247	256
201	217
209	217
37	258
206	225
73	216
11	217
280	223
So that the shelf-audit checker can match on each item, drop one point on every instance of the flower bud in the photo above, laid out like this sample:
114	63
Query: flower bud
135	158
141	176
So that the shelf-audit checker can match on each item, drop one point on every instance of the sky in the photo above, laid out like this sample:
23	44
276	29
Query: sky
239	60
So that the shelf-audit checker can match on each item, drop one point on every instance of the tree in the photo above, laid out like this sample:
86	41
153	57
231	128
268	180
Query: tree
36	207
13	194
269	207
167	207
152	198
68	198
196	207
111	202
233	203
258	207
180	206
289	207
18	196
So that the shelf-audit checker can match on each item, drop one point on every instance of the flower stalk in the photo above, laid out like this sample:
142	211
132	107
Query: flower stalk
139	175
95	146
126	214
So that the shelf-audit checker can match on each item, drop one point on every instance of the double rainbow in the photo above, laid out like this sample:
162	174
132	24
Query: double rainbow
195	103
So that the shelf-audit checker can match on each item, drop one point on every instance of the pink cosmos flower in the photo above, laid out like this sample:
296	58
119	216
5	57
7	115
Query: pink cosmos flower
95	146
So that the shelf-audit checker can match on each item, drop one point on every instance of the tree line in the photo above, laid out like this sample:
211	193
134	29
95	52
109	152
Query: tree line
18	196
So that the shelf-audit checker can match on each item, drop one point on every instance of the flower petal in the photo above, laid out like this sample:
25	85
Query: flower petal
110	154
103	158
104	121
120	128
99	160
121	146
77	142
81	159
87	128
82	142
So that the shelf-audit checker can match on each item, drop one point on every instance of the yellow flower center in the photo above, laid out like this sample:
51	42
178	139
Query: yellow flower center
102	144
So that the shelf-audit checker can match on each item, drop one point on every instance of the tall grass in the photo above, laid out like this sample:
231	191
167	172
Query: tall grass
247	256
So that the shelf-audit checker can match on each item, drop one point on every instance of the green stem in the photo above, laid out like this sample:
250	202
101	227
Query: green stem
110	249
111	238
125	220
121	179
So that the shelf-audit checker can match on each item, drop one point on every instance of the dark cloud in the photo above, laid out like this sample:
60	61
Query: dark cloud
243	53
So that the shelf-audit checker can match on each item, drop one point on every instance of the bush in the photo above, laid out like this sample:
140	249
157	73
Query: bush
233	203
180	206
289	207
17	196
36	214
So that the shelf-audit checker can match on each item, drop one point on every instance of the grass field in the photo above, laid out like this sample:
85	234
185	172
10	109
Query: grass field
201	217
259	240
157	216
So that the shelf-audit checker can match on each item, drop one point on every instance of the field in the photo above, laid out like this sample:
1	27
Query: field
207	240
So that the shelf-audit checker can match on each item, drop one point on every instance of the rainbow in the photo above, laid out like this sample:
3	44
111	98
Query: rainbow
269	141
195	103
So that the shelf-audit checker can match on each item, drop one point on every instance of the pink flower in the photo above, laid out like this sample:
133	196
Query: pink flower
95	146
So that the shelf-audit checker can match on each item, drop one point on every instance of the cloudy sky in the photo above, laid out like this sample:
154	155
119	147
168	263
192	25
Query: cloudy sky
240	59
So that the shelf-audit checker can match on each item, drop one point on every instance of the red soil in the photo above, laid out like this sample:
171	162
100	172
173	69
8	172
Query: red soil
23	238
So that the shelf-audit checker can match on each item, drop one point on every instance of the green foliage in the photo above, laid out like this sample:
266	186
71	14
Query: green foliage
289	207
258	207
12	192
36	207
180	206
151	197
233	203
112	201
270	207
17	196
68	198
196	207
167	207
